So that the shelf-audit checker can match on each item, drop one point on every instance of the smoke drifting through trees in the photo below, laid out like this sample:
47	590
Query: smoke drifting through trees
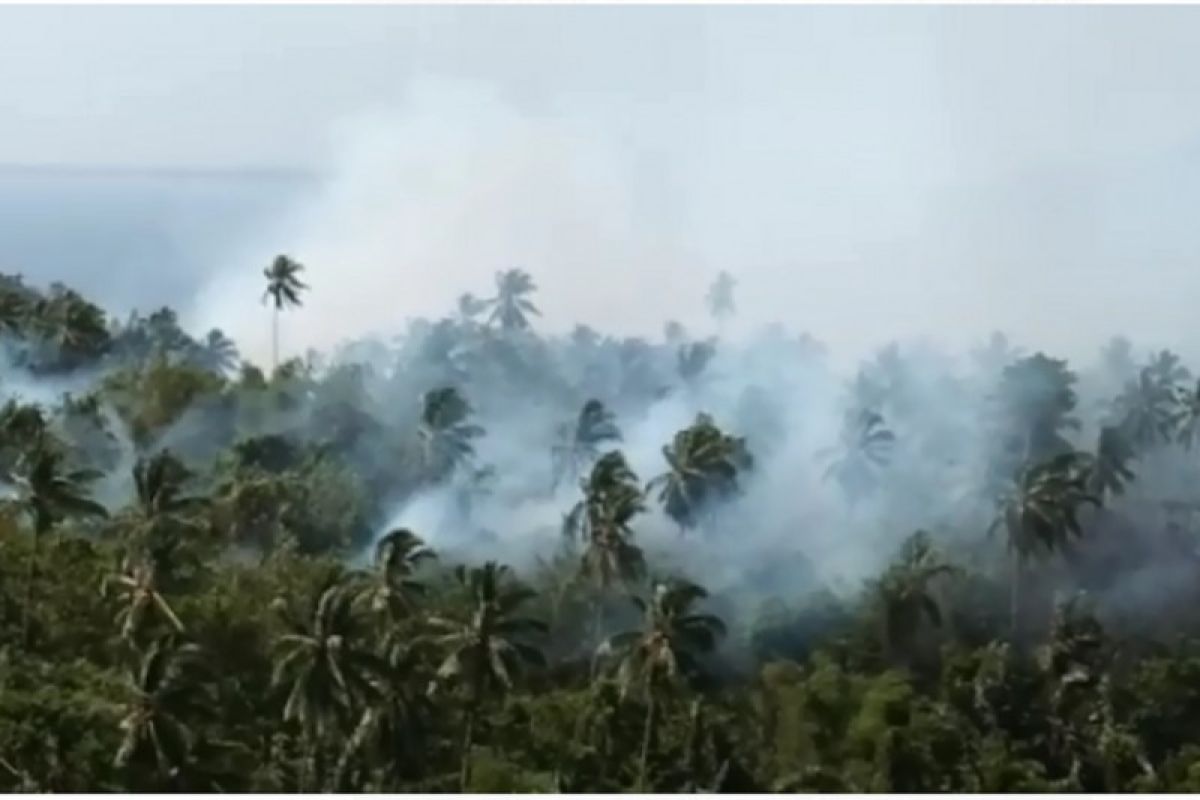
604	466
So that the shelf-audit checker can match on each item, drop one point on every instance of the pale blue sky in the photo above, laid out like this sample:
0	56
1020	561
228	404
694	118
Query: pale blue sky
866	171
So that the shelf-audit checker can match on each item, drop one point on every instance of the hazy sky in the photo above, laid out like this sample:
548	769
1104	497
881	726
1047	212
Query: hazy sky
865	172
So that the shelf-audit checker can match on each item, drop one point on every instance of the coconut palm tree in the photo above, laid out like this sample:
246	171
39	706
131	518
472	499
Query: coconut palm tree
1039	513
389	726
74	329
1167	369
485	647
704	464
446	431
1146	409
1035	400
720	296
612	498
48	493
865	449
1186	419
906	591
284	288
664	652
511	305
162	511
392	590
23	429
137	589
218	353
1110	469
327	675
578	444
692	358
167	695
14	311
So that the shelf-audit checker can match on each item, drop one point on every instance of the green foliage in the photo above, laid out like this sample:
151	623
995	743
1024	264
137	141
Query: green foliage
248	618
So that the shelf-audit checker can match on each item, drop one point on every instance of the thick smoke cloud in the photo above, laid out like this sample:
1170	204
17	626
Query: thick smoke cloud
864	175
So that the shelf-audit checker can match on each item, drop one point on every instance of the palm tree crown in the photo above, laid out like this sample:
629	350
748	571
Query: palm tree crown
1039	513
446	430
284	288
325	671
392	589
704	466
511	305
167	695
667	647
578	444
487	647
612	498
865	449
720	296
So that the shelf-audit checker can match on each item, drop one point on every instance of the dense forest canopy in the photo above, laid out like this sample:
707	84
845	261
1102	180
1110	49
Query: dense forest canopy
483	557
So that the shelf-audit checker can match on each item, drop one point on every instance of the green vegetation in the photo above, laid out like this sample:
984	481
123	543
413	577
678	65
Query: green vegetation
207	582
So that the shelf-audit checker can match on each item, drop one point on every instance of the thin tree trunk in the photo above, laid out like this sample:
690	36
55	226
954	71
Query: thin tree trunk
1014	600
275	339
318	763
693	744
464	775
597	623
30	578
352	746
647	736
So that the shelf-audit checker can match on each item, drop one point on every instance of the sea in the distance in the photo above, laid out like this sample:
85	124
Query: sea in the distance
133	238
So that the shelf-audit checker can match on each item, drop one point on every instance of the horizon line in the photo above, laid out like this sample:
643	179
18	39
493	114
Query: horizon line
160	171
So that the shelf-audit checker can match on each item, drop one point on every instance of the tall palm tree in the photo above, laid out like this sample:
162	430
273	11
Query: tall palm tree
446	431
388	726
704	464
392	589
720	296
864	450
1035	400
486	646
906	591
48	493
327	674
1146	409
1110	470
578	444
167	694
284	288
665	651
137	588
1039	513
612	498
511	305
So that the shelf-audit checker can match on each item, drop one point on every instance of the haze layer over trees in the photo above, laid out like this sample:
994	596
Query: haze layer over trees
481	557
